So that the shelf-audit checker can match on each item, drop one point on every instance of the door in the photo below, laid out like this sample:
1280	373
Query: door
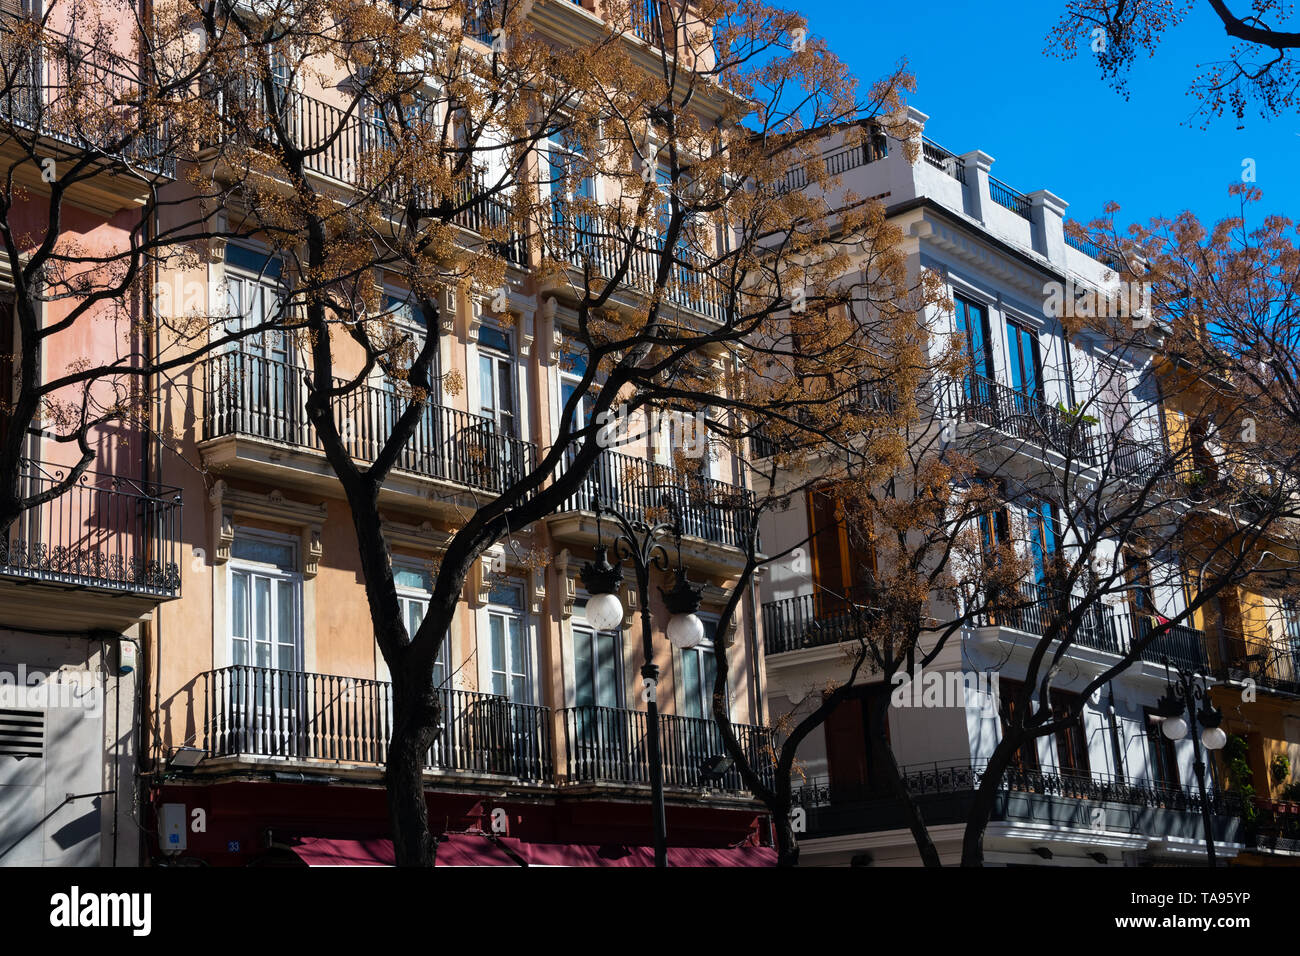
843	566
509	719
499	405
855	759
261	383
972	323
1026	366
413	589
267	703
600	727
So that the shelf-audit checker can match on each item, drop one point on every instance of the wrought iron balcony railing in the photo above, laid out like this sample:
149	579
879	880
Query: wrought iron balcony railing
1009	198
106	532
930	780
82	94
593	246
975	398
258	397
264	712
608	745
816	620
713	510
1274	664
1102	627
350	147
943	160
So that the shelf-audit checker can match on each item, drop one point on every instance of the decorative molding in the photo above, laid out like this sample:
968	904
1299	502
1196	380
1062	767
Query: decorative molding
713	599
230	504
537	589
527	333
480	574
567	568
421	537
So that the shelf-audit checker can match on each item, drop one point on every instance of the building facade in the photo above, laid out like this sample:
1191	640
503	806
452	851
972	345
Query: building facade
1110	789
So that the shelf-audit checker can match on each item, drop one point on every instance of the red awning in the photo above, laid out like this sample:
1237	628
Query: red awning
573	854
476	849
315	851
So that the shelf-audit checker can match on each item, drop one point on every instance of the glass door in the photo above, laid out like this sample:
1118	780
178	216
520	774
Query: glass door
600	725
261	376
268	690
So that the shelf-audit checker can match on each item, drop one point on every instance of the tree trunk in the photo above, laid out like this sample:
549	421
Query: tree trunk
972	844
415	717
915	822
787	844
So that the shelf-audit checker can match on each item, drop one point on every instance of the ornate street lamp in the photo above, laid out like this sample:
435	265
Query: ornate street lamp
642	544
1185	690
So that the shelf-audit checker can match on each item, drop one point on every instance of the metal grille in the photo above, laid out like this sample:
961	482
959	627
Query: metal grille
22	733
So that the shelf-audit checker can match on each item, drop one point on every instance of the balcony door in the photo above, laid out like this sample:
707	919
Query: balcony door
261	375
267	704
972	324
1026	367
507	724
424	452
601	729
414	585
843	565
496	448
855	759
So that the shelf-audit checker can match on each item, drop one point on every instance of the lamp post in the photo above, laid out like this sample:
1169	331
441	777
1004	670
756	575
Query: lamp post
641	542
1185	690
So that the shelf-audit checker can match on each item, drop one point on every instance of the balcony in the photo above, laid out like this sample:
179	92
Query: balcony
1271	664
107	535
265	713
82	96
816	620
713	512
253	397
589	245
347	149
607	745
1047	801
1111	630
983	401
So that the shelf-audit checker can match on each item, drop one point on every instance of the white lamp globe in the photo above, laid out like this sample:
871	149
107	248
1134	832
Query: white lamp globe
605	612
1214	738
1175	728
685	631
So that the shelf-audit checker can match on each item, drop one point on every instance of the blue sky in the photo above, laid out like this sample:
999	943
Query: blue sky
984	80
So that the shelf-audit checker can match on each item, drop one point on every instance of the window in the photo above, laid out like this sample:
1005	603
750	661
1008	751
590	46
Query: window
973	326
1161	754
413	590
496	367
570	175
572	369
265	603
1026	758
264	691
1026	363
843	563
699	670
1042	526
1071	740
856	761
597	664
509	665
258	376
